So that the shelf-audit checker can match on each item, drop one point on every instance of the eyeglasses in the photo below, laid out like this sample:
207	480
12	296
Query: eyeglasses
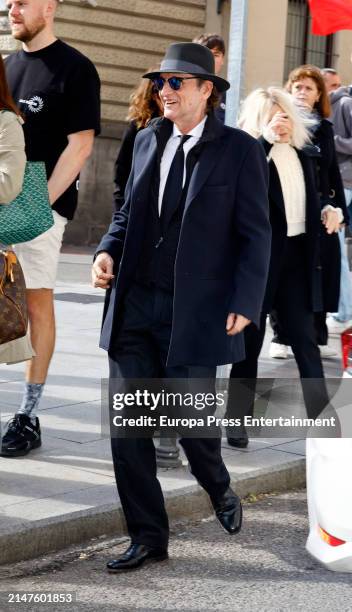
174	82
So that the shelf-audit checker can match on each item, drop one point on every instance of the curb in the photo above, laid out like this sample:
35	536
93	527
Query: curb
191	502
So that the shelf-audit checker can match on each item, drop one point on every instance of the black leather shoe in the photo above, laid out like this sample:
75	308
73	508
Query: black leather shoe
228	510
135	556
241	440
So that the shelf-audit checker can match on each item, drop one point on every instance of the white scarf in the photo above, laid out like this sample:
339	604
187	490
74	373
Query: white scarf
293	188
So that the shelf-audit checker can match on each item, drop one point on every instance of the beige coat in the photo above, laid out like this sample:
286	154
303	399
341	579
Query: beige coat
16	350
12	166
12	156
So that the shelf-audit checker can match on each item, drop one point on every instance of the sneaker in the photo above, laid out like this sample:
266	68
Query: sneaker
336	327
326	351
278	351
21	436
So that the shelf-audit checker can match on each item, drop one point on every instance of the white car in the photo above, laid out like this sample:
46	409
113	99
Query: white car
329	492
329	483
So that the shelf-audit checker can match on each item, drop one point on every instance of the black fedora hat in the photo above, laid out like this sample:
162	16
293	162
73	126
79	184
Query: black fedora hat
190	58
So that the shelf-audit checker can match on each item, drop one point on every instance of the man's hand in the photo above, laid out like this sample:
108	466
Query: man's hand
235	324
102	271
330	219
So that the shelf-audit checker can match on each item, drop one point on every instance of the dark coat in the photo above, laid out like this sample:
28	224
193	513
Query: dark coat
220	110
123	164
330	184
279	232
330	187
223	252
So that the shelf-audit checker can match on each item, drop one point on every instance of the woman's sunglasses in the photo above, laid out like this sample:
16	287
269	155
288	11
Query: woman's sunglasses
174	82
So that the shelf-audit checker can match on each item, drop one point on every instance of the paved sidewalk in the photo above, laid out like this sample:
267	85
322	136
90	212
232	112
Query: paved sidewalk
65	492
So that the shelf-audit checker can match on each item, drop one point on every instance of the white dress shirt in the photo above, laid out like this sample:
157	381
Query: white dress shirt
169	154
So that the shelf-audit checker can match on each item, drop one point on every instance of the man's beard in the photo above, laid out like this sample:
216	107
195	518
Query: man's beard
27	34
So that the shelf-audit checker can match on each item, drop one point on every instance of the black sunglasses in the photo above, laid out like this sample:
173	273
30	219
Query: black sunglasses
174	82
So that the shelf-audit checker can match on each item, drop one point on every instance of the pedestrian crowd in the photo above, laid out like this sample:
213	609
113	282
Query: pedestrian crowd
213	230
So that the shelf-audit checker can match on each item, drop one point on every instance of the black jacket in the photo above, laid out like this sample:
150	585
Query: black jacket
279	232
224	244
330	187
329	180
123	164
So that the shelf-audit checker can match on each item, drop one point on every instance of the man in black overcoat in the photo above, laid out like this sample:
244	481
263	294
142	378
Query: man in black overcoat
185	264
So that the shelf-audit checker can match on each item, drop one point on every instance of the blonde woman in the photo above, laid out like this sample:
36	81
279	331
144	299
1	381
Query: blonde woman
308	90
294	281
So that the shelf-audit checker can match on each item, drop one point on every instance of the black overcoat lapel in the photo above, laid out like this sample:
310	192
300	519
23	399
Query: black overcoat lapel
210	156
144	167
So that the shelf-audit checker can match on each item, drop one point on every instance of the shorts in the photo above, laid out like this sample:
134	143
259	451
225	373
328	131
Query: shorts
39	258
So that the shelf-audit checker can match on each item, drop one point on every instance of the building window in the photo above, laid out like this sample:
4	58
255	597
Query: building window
302	47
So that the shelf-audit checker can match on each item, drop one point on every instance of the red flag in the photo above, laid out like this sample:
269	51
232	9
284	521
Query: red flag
329	16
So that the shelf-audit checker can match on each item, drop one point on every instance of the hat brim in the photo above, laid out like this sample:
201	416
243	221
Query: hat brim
220	83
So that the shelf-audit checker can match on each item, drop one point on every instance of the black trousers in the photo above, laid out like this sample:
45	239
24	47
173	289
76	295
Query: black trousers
292	303
321	329
140	351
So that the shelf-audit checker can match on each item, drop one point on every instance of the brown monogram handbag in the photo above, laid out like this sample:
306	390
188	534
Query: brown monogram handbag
13	304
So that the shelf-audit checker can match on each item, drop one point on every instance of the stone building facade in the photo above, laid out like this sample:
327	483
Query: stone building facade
126	37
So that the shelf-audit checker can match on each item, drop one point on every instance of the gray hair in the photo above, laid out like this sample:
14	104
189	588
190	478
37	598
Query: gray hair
256	109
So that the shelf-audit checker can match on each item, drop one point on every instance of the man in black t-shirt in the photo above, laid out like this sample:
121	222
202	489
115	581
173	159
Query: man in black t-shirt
57	90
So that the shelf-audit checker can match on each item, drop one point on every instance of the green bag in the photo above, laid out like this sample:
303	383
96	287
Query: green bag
30	214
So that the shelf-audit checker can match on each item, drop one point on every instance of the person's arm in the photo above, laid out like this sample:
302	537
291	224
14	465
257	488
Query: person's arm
70	163
329	183
334	211
123	165
343	144
108	253
336	192
102	270
252	239
82	122
12	157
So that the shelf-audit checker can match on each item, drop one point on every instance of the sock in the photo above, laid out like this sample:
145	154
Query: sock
30	401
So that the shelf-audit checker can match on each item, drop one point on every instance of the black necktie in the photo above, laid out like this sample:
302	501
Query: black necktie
173	187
